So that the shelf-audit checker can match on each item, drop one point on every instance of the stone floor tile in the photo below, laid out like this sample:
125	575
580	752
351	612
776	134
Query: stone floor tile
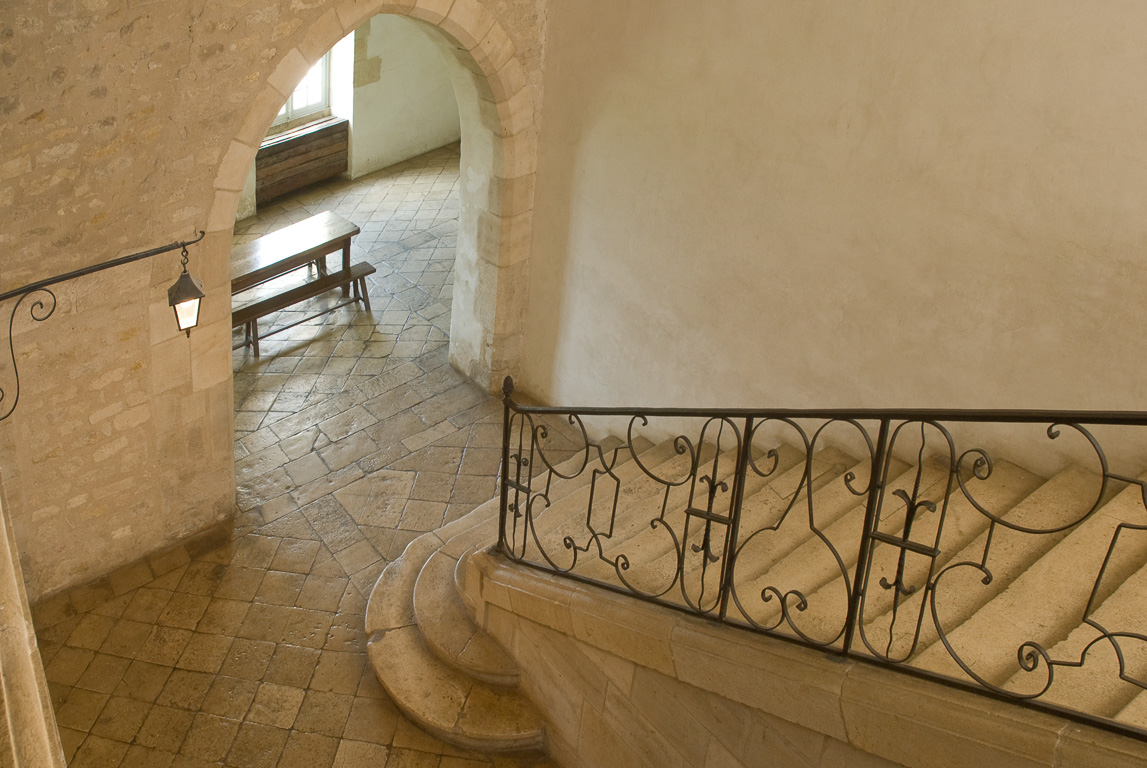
307	628
257	746
357	556
372	719
143	681
164	645
338	672
126	638
147	604
185	689
90	632
103	673
292	665
422	515
164	728
434	486
321	593
224	616
121	719
201	578
230	697
184	611
248	658
348	426
295	556
68	665
275	705
205	652
81	709
308	750
145	757
324	712
98	752
210	737
279	588
352	754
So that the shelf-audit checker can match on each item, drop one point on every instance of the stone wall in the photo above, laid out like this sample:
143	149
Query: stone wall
127	126
623	682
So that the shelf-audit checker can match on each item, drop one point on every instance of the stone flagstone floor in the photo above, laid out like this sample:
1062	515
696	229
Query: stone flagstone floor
353	436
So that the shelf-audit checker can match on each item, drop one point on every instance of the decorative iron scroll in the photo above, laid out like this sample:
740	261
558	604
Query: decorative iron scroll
43	304
871	534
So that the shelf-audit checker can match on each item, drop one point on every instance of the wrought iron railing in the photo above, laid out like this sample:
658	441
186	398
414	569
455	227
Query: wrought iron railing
873	534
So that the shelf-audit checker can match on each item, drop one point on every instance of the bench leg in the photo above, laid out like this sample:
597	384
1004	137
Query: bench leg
321	266
253	336
346	266
360	286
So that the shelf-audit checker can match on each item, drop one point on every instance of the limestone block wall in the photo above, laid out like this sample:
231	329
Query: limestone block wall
130	125
623	682
28	734
807	205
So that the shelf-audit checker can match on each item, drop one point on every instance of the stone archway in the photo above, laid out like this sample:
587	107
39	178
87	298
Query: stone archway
499	149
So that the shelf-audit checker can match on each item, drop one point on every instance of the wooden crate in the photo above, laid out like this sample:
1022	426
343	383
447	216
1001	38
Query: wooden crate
301	156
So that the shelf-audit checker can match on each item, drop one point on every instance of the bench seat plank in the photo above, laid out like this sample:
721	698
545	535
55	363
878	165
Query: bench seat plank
249	315
306	241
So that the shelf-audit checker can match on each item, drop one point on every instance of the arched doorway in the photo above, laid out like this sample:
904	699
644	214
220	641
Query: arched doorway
496	110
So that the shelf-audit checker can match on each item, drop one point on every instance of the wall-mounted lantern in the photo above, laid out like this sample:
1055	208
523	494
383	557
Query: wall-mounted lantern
184	298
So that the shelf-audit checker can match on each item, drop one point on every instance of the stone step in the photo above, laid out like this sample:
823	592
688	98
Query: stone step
449	704
1043	603
1007	486
656	561
440	669
1096	687
449	628
883	610
774	522
639	542
963	589
808	578
566	516
440	699
662	495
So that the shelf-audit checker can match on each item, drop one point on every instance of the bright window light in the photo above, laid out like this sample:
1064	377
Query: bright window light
311	95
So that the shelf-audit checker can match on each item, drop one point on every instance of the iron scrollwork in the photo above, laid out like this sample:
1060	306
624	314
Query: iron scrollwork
43	305
867	533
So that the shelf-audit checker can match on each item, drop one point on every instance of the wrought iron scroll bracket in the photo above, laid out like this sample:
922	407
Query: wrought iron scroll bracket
42	308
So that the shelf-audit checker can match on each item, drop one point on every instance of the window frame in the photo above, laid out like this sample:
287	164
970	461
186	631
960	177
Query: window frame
290	116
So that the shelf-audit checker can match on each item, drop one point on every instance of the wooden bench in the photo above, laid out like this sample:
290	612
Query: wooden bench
298	245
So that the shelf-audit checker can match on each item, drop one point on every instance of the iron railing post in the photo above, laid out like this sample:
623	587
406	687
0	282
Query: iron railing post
507	390
742	473
876	488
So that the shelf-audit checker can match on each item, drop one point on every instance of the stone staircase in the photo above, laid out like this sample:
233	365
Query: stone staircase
452	679
444	673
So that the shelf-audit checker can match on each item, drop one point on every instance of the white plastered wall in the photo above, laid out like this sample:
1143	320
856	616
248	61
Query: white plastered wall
815	204
403	100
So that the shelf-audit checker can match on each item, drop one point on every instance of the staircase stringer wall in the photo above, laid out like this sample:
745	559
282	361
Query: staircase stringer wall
629	683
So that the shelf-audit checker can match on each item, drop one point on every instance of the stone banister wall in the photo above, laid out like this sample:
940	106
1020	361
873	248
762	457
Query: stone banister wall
29	736
133	124
628	683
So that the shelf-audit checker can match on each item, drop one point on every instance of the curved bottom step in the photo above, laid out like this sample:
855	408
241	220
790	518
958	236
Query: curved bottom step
450	632
443	700
446	703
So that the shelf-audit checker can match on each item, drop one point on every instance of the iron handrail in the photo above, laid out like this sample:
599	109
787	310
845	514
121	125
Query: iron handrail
900	553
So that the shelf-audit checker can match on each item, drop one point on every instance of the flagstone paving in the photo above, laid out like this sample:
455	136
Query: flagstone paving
353	436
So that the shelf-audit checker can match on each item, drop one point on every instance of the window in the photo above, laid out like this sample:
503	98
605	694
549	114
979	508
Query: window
311	96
